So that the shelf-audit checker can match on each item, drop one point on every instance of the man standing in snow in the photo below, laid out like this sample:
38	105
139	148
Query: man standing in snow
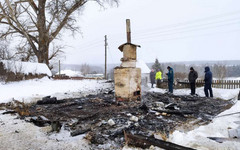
158	78
170	75
208	82
152	77
192	77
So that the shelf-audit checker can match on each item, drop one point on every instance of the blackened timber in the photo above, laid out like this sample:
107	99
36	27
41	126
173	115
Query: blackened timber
176	112
80	131
146	142
9	112
221	139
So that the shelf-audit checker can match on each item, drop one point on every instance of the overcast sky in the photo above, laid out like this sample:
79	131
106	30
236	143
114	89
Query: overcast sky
170	30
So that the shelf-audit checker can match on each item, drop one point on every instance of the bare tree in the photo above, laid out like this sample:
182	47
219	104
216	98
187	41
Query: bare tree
219	71
85	69
40	22
5	54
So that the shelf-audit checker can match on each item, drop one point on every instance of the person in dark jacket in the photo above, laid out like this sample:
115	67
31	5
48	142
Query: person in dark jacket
208	82
170	75
152	77
192	77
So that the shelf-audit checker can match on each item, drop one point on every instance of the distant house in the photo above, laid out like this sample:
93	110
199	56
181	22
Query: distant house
17	70
145	71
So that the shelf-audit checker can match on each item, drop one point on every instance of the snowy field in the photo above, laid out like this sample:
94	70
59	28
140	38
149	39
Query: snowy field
33	90
18	135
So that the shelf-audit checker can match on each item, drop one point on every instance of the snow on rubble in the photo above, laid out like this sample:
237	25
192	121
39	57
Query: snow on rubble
19	135
218	128
13	131
26	67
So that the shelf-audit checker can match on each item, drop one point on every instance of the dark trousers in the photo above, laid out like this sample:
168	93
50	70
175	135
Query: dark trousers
193	87
158	83
170	87
206	88
152	85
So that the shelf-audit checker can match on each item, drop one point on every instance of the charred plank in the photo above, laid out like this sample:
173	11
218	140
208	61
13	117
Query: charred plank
80	131
146	142
221	139
9	112
176	112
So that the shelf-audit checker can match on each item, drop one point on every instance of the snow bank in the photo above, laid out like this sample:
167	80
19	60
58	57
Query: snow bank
33	90
26	67
71	73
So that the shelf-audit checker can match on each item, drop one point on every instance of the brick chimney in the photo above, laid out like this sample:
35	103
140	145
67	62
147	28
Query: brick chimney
127	77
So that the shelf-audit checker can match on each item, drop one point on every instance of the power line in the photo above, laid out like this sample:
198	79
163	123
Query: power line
187	27
184	31
192	21
183	27
179	38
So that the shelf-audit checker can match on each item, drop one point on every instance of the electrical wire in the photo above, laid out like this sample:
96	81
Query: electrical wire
186	31
190	22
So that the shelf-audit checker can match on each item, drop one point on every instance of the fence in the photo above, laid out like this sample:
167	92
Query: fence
223	84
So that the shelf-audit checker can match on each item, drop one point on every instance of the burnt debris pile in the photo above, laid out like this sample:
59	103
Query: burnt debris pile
105	120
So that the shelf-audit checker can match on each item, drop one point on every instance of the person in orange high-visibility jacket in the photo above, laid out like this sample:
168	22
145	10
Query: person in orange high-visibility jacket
158	77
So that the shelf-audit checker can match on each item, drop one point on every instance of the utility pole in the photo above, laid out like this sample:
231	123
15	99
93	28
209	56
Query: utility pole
105	57
59	67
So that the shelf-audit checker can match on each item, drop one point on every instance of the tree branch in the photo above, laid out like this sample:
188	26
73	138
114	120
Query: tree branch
64	21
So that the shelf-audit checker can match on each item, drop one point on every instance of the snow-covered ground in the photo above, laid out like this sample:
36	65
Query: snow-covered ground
17	134
33	90
226	94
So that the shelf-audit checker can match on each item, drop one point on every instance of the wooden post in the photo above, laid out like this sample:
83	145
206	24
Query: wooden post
128	31
59	67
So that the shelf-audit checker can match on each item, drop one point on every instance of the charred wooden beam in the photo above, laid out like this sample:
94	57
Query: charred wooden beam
40	123
146	142
80	131
176	112
9	112
221	139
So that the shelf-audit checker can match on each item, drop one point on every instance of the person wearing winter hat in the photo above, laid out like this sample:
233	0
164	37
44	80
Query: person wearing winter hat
192	77
208	82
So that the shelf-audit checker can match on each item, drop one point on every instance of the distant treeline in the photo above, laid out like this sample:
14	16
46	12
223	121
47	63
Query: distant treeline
233	71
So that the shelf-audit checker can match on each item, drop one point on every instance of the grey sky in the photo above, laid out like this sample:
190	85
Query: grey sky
170	30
